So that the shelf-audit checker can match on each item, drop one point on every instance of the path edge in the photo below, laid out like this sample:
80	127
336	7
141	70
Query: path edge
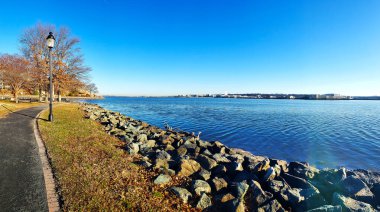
50	184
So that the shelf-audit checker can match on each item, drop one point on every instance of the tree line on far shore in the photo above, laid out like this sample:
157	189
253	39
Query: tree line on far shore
28	73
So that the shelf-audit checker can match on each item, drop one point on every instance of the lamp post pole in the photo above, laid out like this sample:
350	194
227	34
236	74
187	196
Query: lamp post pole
51	87
50	43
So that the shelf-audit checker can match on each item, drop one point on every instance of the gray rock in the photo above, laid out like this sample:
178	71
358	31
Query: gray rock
218	184
204	202
223	197
181	151
368	177
270	174
257	194
349	204
302	170
240	189
219	170
162	179
277	186
327	208
376	192
188	167
352	186
206	152
206	162
272	206
292	196
142	138
244	176
145	164
169	148
163	155
217	147
233	167
219	158
282	163
161	163
204	174
312	199
235	205
93	117
297	182
150	143
199	187
262	166
182	193
189	144
132	148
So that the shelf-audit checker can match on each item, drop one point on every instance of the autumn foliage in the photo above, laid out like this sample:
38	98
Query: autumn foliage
30	72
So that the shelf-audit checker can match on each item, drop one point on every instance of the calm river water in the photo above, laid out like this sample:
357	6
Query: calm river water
323	133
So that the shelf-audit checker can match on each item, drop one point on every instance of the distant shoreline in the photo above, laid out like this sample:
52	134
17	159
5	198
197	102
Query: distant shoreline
277	98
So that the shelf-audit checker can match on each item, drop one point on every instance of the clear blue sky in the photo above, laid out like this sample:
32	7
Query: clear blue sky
165	47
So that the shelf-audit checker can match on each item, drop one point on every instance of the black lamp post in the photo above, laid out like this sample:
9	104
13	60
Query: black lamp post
50	43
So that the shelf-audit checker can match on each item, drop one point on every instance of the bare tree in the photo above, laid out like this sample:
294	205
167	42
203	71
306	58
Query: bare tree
33	47
92	89
16	73
68	64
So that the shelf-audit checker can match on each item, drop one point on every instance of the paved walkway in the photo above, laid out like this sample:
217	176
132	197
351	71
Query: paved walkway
22	186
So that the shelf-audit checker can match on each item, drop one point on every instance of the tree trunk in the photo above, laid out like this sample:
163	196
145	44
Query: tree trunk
40	94
47	95
16	97
59	95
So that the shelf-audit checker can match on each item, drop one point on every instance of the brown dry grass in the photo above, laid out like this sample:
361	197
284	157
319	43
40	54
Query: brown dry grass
7	107
94	172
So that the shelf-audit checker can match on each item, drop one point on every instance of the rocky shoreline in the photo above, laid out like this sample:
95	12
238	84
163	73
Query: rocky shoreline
228	179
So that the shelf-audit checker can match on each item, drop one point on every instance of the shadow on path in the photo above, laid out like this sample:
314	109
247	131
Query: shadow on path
15	112
22	185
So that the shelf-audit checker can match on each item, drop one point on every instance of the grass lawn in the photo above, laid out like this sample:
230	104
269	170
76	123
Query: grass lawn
7	107
94	172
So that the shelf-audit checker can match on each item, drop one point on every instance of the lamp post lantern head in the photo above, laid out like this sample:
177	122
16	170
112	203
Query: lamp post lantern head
50	40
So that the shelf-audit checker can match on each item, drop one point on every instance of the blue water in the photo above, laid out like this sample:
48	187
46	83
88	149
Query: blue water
323	133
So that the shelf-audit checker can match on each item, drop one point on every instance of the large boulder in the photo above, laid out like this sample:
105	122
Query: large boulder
281	163
199	187
256	195
272	206
376	192
132	148
163	155
302	170
240	189
353	187
206	162
220	158
312	199
162	179
297	182
182	193
204	174
188	167
270	174
368	177
142	138
204	202
218	184
217	147
349	204
161	163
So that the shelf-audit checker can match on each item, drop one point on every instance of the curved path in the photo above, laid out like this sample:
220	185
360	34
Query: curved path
22	186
